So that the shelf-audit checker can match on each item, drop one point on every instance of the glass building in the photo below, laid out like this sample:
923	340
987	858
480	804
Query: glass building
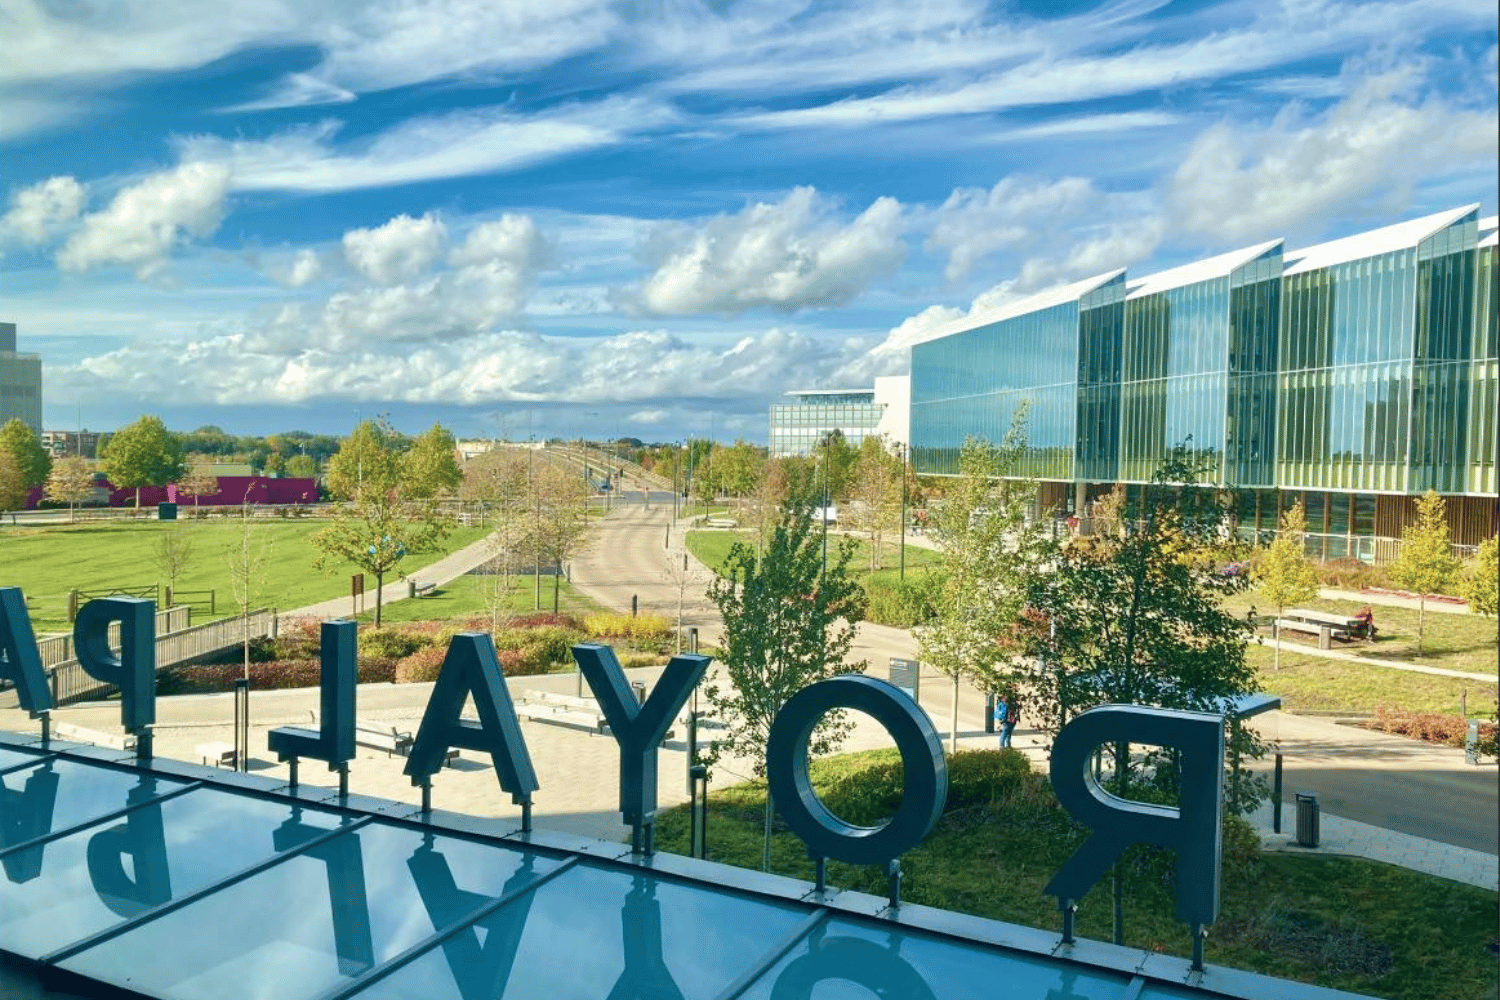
163	879
1352	375
20	382
799	426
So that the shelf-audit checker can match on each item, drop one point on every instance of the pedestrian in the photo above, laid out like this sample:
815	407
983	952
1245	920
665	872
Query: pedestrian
1001	711
1012	716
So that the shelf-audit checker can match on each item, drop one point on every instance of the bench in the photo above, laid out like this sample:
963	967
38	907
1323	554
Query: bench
1325	633
562	710
219	754
387	738
79	734
416	588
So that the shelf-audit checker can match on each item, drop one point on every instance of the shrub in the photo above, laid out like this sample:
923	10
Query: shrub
394	644
639	628
1350	574
540	618
913	601
270	676
975	777
1433	727
422	665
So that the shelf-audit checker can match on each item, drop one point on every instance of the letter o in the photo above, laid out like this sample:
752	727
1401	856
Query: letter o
921	748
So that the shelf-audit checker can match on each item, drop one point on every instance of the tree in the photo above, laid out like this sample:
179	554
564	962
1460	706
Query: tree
368	459
302	467
174	550
17	438
246	556
1479	583
430	467
499	481
836	459
738	468
993	546
559	522
378	530
13	490
787	623
143	454
1426	564
71	482
199	482
1137	617
1285	575
875	495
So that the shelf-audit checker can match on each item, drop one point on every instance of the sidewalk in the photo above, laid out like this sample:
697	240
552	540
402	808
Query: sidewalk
450	567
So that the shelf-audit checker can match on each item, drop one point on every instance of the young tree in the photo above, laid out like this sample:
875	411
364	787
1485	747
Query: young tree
499	480
835	460
559	522
246	555
431	468
302	467
199	482
1285	575
787	623
376	532
143	454
738	469
70	482
1426	564
1480	583
875	495
369	459
174	550
20	441
993	546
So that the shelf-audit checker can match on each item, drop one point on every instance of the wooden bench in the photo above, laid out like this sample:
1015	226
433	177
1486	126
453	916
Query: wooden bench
79	734
1324	632
219	754
721	522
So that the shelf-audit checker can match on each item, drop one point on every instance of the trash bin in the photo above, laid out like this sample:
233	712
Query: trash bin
411	588
639	688
166	512
1307	819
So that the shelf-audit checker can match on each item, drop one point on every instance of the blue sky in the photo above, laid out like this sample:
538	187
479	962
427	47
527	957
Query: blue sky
652	218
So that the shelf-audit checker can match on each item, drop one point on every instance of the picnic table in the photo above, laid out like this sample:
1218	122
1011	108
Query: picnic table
1325	625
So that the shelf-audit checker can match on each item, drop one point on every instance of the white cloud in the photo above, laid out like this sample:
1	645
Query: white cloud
1304	171
146	220
37	211
788	255
648	416
306	268
1016	213
298	90
513	239
458	144
400	250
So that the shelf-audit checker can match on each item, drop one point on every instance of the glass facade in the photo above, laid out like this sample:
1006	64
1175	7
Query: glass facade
798	428
1362	367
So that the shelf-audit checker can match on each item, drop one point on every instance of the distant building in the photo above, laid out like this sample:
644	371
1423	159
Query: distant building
20	381
61	444
1351	376
799	426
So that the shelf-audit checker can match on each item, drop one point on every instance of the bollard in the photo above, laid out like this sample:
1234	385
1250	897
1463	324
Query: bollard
1276	798
635	604
989	713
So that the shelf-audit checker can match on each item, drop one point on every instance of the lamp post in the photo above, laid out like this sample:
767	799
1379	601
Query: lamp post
903	511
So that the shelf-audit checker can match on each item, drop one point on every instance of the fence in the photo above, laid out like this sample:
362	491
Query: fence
70	683
57	649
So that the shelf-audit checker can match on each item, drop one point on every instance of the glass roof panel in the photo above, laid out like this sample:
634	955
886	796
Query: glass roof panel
844	960
592	934
314	921
57	794
10	758
64	890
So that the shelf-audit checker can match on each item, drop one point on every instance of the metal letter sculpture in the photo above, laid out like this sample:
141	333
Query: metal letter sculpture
134	670
20	662
333	740
638	728
925	767
471	668
1193	829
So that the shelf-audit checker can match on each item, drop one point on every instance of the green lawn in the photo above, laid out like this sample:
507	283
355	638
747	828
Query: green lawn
47	562
1308	683
468	596
712	547
1338	922
1457	642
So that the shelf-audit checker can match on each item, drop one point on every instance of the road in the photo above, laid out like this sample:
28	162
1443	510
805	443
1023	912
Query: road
1387	781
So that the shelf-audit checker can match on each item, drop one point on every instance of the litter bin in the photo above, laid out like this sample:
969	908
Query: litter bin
166	512
411	588
1307	819
639	688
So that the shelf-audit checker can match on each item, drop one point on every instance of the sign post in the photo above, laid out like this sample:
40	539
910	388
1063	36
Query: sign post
904	675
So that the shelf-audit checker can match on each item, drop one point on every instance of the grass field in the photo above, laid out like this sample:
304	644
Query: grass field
712	547
1454	641
469	595
47	562
1308	683
1339	922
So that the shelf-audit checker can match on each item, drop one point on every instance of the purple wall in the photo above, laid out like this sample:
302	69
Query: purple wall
232	490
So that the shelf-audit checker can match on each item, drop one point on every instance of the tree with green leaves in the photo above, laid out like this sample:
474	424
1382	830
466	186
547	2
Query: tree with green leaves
993	546
1137	617
377	531
431	467
144	453
559	524
835	460
13	489
71	482
1284	574
246	554
199	482
1426	563
1479	583
874	495
302	467
20	441
368	459
787	623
